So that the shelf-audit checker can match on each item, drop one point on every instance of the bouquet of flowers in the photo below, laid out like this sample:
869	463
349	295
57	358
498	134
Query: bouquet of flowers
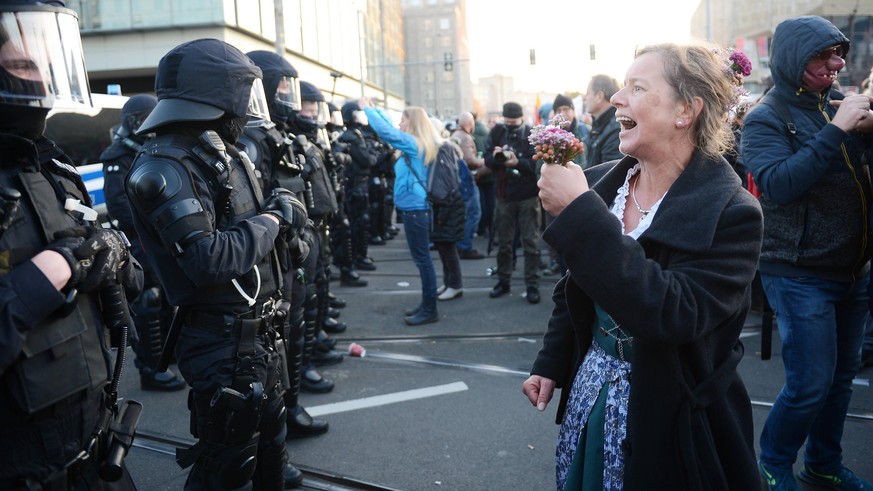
554	144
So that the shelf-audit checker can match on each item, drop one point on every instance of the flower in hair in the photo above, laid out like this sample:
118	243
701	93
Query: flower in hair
740	64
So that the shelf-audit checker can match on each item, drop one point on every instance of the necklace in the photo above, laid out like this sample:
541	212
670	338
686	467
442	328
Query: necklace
640	209
619	335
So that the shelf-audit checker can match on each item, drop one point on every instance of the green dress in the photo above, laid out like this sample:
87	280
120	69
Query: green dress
600	389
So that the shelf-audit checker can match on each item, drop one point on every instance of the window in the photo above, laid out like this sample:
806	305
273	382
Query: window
444	23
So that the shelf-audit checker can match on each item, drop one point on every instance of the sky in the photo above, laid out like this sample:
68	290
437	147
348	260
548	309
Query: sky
501	34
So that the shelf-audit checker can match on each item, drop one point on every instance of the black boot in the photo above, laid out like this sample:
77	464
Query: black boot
293	477
313	382
412	311
333	313
365	263
334	326
350	277
302	425
426	315
335	302
324	342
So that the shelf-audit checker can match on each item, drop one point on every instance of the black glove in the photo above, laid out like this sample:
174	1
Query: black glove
300	246
94	255
288	209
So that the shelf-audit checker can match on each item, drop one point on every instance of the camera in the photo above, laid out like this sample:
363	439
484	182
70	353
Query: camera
502	157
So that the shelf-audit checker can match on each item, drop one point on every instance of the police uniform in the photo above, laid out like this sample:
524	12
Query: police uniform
150	311
199	217
363	160
54	360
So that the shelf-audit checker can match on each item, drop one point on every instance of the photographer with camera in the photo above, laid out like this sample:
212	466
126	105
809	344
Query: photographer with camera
57	407
511	159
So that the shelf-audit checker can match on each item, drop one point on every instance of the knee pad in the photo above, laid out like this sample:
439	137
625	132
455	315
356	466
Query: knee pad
237	464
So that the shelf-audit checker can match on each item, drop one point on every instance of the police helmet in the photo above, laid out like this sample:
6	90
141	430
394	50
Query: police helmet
281	83
313	103
135	111
41	60
202	80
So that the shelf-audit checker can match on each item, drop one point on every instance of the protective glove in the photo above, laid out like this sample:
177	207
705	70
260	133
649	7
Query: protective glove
300	246
94	255
288	209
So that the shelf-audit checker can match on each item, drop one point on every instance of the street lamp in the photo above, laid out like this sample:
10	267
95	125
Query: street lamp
335	76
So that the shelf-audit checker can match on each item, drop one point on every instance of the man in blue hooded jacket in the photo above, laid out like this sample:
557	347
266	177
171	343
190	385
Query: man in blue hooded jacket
803	145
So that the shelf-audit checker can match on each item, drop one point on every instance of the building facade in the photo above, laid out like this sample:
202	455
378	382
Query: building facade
748	25
333	44
437	56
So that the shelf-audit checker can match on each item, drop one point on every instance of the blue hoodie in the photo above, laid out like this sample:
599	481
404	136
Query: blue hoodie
816	192
409	194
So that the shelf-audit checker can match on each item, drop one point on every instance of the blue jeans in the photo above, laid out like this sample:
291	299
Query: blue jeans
473	210
821	324
416	225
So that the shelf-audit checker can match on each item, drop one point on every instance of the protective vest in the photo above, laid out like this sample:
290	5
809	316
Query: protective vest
236	196
324	197
64	354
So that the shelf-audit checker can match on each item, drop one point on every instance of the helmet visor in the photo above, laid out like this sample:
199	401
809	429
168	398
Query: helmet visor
288	93
41	60
336	118
323	114
258	108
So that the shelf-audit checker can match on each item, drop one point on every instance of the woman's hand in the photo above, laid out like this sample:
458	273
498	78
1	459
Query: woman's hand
366	102
538	390
560	185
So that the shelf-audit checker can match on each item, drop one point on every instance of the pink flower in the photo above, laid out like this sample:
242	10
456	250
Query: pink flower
553	144
740	63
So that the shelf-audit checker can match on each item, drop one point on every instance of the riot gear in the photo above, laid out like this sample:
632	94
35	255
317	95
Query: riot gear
281	85
202	80
55	355
199	211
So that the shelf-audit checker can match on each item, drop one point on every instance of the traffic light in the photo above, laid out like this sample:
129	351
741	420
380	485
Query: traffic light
533	56
447	62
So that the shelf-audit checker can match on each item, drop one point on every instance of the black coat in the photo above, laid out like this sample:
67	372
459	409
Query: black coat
683	291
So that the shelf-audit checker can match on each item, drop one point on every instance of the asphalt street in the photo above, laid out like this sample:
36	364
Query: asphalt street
439	407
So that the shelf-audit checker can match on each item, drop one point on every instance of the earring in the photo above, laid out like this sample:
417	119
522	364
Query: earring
680	123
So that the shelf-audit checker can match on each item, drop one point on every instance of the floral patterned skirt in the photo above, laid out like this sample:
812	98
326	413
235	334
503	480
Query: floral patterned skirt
589	451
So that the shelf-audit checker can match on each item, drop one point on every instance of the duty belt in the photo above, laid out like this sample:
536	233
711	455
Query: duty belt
229	324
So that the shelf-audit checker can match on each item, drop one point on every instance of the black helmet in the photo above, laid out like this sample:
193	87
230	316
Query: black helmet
136	110
281	83
349	110
202	80
309	92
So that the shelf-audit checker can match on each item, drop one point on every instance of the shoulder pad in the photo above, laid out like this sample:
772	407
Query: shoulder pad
153	184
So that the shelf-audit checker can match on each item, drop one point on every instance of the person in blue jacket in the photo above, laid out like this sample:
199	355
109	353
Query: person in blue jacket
803	145
419	142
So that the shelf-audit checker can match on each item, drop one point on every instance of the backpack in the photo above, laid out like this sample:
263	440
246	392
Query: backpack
443	183
442	178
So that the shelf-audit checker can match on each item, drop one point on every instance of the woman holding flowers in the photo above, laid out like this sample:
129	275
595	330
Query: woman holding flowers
661	248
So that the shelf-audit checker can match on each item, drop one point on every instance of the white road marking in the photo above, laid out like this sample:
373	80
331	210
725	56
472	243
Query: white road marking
407	395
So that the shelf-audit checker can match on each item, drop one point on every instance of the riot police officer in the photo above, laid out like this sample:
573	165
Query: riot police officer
211	237
341	229
309	126
55	401
270	150
150	311
363	159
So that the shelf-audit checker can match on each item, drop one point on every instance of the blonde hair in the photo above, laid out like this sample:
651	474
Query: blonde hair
698	71
427	139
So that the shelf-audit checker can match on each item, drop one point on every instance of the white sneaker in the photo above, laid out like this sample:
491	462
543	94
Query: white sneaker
451	294
441	289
